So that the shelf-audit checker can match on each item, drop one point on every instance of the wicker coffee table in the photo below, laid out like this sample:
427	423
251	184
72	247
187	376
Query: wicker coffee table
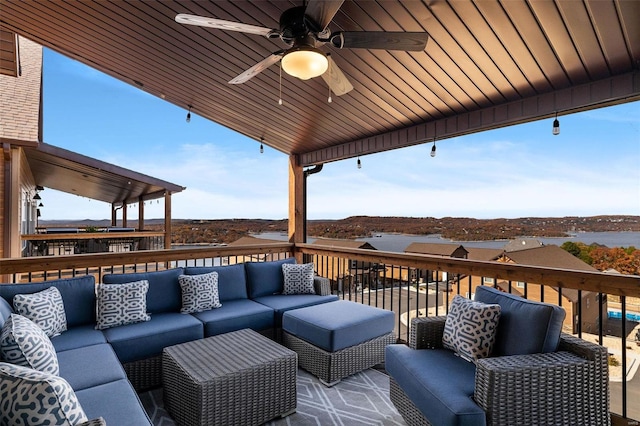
237	378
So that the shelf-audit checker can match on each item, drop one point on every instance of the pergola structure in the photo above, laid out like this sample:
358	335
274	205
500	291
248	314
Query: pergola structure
486	64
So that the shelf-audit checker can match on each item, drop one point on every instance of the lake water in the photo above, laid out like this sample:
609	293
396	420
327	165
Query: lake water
398	242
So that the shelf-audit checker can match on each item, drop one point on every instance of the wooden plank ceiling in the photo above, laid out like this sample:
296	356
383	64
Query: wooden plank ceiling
487	64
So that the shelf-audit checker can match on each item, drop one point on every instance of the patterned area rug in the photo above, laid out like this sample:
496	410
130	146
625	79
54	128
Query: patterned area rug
362	399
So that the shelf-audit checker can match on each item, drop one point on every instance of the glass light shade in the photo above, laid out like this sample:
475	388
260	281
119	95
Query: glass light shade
433	150
556	127
305	62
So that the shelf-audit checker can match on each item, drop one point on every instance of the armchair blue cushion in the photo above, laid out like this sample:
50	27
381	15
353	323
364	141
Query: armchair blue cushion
438	383
164	290
78	295
266	278
541	323
232	280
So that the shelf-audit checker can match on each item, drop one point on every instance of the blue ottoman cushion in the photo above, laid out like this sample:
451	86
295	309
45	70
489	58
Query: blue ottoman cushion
526	326
338	325
439	383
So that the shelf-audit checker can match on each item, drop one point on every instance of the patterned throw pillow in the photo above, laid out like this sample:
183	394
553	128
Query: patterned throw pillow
24	343
121	304
199	292
44	308
298	278
31	397
470	328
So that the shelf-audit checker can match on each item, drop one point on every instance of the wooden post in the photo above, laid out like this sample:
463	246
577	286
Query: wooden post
167	220
124	214
114	215
296	204
140	214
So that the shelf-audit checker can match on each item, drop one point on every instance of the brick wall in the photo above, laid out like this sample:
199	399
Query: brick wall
20	96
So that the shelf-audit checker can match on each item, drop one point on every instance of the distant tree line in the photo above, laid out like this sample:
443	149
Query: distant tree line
625	260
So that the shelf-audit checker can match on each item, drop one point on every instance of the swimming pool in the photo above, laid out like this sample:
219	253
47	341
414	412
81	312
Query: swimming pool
631	316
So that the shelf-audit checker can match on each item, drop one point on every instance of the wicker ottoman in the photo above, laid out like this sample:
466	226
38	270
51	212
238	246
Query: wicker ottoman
337	339
237	378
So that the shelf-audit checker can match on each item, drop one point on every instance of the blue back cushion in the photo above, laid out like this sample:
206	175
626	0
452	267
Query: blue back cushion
164	289
265	278
78	296
232	280
525	326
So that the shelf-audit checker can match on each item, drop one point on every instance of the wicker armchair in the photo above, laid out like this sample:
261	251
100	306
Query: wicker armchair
567	387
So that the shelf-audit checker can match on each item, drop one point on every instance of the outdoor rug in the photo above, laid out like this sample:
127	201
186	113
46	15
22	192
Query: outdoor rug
361	399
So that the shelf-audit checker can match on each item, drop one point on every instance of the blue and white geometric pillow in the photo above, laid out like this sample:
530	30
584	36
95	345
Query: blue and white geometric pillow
24	343
44	308
199	292
470	328
31	397
298	278
121	304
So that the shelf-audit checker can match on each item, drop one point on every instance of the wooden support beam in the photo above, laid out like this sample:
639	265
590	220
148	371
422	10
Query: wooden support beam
140	214
296	203
167	220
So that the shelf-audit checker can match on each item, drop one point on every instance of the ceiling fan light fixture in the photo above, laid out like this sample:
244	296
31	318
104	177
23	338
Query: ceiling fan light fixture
305	62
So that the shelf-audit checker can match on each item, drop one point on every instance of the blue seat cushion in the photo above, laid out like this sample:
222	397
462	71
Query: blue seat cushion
164	289
78	337
439	383
90	366
281	303
78	296
526	326
265	278
133	342
338	325
232	280
116	402
236	315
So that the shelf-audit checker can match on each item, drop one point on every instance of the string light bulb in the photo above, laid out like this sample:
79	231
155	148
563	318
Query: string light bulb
261	146
359	163
189	114
433	148
556	126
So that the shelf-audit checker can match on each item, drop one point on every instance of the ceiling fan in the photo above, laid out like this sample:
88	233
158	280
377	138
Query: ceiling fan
304	29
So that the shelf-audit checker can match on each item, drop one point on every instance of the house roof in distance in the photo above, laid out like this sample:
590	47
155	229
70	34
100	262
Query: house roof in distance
344	243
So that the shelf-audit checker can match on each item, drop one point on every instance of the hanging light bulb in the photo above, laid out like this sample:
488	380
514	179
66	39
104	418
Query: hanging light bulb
189	114
261	145
556	126
433	148
359	163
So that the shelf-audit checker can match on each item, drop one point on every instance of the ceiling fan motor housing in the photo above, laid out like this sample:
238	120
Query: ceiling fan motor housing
293	24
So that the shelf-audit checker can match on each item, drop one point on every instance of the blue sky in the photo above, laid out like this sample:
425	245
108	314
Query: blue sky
591	168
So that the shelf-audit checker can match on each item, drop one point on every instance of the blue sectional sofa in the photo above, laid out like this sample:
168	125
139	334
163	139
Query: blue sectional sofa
105	368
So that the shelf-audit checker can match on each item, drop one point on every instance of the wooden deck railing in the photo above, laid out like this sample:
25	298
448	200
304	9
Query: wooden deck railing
408	285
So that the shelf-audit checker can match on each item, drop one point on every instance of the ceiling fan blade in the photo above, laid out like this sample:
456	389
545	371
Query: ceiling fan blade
380	40
336	80
221	24
257	68
321	12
